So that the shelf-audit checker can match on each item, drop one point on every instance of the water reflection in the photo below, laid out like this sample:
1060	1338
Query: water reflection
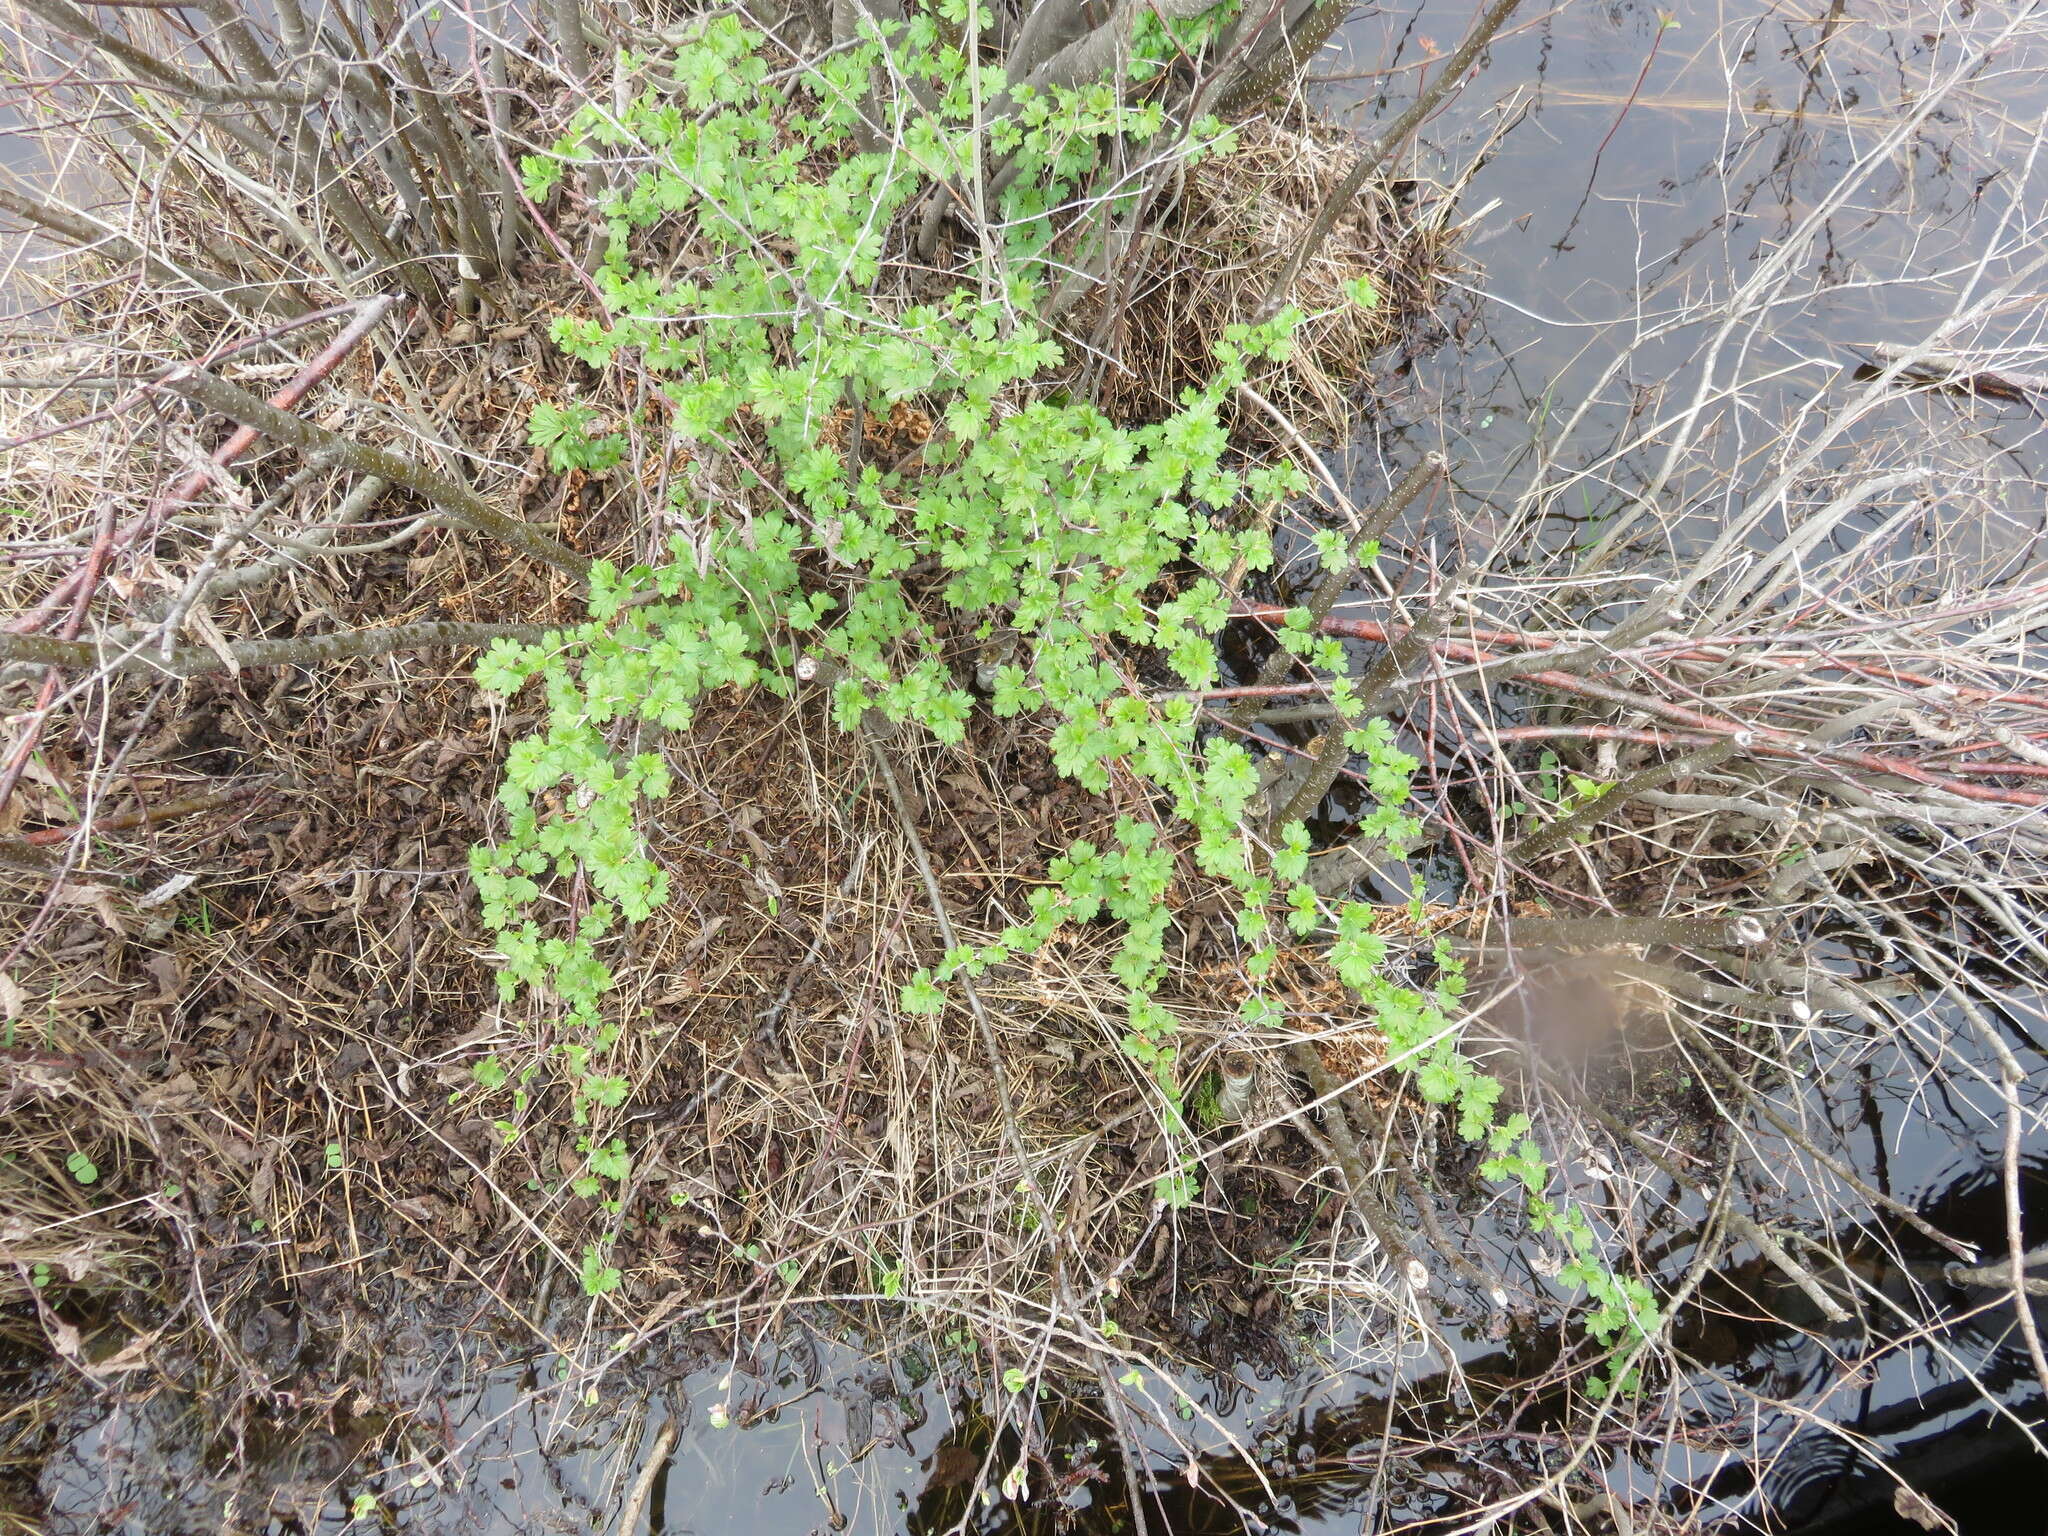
1588	337
1859	1416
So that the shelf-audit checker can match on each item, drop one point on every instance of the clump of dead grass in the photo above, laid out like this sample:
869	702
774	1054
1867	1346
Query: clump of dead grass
1239	218
815	1140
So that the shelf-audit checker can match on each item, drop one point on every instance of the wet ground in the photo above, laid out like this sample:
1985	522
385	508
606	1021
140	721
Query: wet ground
1633	178
721	1432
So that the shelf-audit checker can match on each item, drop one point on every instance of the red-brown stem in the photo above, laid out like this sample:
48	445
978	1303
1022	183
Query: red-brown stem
518	183
32	730
242	438
84	581
1634	734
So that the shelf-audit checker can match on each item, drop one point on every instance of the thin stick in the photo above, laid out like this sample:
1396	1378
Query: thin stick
2009	1083
1664	23
643	1484
1834	1165
32	732
1344	1147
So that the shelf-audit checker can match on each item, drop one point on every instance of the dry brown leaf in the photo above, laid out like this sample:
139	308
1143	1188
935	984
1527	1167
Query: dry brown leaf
170	985
264	1181
1911	1504
173	1093
132	1356
64	1338
76	893
210	636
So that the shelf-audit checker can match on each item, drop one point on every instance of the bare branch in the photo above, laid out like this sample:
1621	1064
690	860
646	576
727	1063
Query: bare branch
455	499
298	651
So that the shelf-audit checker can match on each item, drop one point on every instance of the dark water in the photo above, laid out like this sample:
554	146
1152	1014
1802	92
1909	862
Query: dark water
1592	316
816	1436
1759	221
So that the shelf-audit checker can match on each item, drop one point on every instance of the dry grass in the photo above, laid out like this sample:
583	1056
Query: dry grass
1207	266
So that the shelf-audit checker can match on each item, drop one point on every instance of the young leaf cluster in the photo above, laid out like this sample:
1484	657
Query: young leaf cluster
1025	507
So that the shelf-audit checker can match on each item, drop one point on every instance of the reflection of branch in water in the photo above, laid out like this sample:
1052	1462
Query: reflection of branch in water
1425	1455
1664	24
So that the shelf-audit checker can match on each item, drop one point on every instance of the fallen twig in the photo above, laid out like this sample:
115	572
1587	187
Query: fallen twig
455	499
299	651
